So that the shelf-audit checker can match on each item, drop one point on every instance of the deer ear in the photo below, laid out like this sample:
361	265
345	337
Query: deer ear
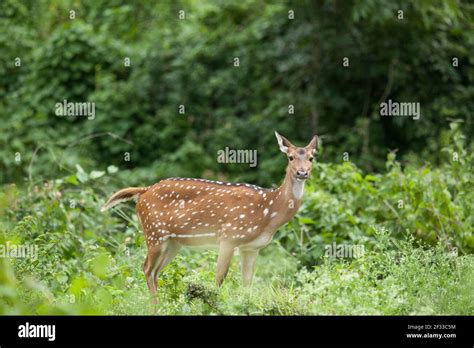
313	144
283	143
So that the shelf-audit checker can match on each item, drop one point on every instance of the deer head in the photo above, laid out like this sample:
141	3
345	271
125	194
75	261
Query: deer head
299	158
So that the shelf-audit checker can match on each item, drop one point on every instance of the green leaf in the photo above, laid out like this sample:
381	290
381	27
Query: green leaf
357	176
306	220
112	169
71	179
62	278
81	174
100	265
96	174
371	178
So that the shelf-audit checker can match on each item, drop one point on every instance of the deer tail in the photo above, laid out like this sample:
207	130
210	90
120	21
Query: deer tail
123	195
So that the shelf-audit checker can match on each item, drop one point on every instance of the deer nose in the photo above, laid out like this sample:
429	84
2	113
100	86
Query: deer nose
302	173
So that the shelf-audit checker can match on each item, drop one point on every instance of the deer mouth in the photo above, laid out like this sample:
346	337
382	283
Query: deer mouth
301	177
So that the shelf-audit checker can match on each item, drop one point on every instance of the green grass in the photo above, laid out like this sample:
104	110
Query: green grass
401	280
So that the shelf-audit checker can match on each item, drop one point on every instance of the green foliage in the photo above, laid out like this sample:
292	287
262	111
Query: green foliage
343	204
416	255
411	214
400	280
191	62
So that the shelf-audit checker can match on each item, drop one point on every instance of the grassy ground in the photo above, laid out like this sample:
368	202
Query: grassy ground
391	280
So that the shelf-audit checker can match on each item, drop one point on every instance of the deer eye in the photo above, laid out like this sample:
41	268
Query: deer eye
291	158
311	159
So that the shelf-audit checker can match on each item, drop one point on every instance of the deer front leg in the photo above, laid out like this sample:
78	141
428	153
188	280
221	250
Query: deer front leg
226	251
247	265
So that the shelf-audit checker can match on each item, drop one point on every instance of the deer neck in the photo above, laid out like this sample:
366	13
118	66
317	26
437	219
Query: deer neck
288	198
292	188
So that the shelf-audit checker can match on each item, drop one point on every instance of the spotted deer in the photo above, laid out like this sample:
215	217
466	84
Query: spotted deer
179	212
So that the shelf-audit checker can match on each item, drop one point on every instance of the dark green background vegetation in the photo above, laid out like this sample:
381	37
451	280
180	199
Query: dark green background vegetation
56	171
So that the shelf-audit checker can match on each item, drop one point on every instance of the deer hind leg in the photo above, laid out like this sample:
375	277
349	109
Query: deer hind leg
247	265
154	254
166	257
157	258
226	251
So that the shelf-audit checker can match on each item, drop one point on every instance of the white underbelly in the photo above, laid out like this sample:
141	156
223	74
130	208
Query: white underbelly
207	246
203	242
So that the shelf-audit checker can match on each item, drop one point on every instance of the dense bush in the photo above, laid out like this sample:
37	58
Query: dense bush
432	204
190	62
